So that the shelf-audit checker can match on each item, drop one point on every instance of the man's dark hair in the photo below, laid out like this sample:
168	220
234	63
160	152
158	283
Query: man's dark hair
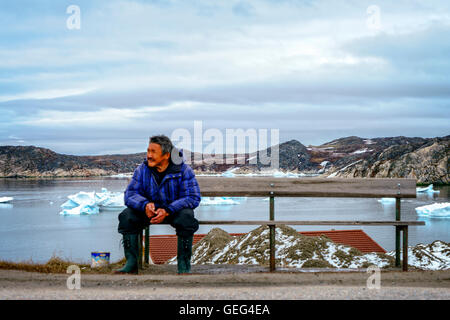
164	142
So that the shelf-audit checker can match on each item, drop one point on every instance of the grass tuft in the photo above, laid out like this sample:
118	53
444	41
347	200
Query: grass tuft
57	265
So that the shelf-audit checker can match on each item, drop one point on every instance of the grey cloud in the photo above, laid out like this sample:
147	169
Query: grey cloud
424	51
337	91
314	93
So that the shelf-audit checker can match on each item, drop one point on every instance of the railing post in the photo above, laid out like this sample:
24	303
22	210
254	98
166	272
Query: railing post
147	245
405	248
397	229
272	231
140	252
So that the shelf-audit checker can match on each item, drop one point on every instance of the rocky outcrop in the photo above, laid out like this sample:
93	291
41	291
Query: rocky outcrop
426	160
30	161
293	156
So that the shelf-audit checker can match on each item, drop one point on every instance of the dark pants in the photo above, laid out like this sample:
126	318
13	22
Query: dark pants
134	221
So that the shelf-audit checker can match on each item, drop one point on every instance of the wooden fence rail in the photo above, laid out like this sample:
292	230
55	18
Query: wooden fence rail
310	187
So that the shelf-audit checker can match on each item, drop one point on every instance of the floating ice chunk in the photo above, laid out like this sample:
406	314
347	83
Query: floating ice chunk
80	210
69	204
229	173
80	203
113	202
428	189
281	174
107	200
83	198
434	210
122	175
6	199
238	198
91	202
213	201
387	200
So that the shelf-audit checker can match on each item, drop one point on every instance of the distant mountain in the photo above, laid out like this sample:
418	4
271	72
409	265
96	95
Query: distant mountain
30	161
425	159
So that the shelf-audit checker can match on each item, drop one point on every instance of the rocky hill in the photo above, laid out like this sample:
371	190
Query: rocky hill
425	159
30	161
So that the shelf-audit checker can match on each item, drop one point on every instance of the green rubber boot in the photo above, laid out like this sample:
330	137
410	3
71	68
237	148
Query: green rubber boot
184	253
131	249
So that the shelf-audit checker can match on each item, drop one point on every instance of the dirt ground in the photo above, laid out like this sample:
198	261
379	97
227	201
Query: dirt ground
228	282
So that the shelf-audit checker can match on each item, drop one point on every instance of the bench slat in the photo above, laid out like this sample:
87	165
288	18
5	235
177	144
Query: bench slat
307	187
313	223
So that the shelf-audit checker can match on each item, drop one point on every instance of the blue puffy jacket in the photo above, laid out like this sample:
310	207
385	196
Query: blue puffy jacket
178	189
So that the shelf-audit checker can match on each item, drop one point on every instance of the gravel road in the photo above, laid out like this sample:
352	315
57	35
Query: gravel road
227	285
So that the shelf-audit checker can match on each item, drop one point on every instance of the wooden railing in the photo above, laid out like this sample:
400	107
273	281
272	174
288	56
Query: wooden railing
310	187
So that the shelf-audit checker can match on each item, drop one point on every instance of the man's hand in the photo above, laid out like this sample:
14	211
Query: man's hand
150	210
160	215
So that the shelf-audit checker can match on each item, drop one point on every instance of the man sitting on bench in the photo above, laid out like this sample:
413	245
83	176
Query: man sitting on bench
163	190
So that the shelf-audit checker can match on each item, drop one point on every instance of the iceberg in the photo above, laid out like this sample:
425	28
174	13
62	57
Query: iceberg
229	173
92	202
110	200
122	175
214	201
80	210
428	189
278	174
83	198
281	174
434	210
387	200
6	199
263	173
69	204
238	198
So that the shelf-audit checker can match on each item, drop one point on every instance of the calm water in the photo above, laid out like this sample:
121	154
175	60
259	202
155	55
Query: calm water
32	228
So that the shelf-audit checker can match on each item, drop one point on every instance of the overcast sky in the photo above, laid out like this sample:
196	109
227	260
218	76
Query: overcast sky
314	70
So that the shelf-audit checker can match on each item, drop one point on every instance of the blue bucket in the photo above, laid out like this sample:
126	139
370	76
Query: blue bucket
99	259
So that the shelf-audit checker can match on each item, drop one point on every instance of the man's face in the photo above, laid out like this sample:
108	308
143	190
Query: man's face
155	156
